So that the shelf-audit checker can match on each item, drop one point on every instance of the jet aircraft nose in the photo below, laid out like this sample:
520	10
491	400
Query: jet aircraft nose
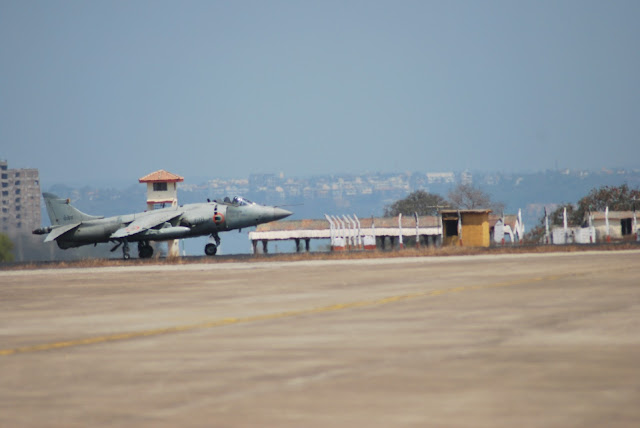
279	213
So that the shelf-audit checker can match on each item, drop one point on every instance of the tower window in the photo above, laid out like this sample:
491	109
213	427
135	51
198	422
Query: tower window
159	187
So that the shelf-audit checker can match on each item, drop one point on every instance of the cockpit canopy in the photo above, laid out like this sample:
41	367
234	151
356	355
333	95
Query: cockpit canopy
238	201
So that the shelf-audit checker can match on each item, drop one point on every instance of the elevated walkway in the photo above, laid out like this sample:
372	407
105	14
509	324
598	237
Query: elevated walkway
350	232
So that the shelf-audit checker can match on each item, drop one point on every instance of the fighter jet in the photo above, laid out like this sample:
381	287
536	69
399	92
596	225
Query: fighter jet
72	228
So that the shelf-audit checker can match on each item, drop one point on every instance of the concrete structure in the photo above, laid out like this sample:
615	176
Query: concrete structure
621	224
569	235
466	227
162	189
287	230
505	229
597	227
19	200
350	232
573	235
475	228
501	229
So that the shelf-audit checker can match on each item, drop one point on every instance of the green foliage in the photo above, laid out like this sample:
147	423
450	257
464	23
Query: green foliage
419	202
464	196
5	248
617	198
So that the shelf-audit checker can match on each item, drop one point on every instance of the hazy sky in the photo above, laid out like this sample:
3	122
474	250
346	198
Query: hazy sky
112	90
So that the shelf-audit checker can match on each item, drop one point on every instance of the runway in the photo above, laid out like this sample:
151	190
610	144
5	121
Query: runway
529	340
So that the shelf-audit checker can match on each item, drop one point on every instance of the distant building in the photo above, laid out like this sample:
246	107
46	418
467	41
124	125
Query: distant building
350	233
506	228
622	224
466	178
441	177
262	182
19	199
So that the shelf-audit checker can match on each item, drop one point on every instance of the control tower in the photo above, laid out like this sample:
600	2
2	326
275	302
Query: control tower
162	191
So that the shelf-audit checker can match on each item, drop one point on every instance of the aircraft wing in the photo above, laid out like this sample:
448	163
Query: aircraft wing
146	222
59	231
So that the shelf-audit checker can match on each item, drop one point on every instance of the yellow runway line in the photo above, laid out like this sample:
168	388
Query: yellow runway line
268	317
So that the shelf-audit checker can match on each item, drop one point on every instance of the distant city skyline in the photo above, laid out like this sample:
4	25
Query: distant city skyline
552	186
243	181
109	91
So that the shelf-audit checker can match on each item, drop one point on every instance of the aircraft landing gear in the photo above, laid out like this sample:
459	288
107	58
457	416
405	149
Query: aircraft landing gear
211	249
125	250
145	250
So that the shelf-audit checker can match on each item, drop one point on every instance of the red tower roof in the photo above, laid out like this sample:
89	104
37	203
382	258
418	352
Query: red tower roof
161	176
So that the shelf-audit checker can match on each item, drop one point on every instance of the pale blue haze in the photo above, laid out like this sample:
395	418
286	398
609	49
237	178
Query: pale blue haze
109	91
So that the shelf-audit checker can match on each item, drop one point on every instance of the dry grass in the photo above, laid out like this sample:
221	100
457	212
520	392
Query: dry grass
343	255
450	251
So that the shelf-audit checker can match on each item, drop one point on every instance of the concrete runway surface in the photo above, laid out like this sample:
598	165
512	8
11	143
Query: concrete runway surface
549	340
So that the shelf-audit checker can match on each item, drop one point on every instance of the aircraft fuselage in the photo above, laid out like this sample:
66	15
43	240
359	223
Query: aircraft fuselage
194	220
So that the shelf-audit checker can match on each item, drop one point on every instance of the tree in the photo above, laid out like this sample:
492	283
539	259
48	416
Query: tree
419	202
574	218
619	198
5	248
467	196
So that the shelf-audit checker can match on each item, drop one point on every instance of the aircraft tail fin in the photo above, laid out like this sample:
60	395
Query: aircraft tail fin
62	213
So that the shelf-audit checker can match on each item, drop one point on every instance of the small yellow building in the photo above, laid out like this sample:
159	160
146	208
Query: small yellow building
466	227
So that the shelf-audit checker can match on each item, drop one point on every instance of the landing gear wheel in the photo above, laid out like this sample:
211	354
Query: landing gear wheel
125	250
145	251
210	249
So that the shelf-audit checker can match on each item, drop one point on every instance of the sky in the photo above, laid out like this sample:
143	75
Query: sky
109	91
